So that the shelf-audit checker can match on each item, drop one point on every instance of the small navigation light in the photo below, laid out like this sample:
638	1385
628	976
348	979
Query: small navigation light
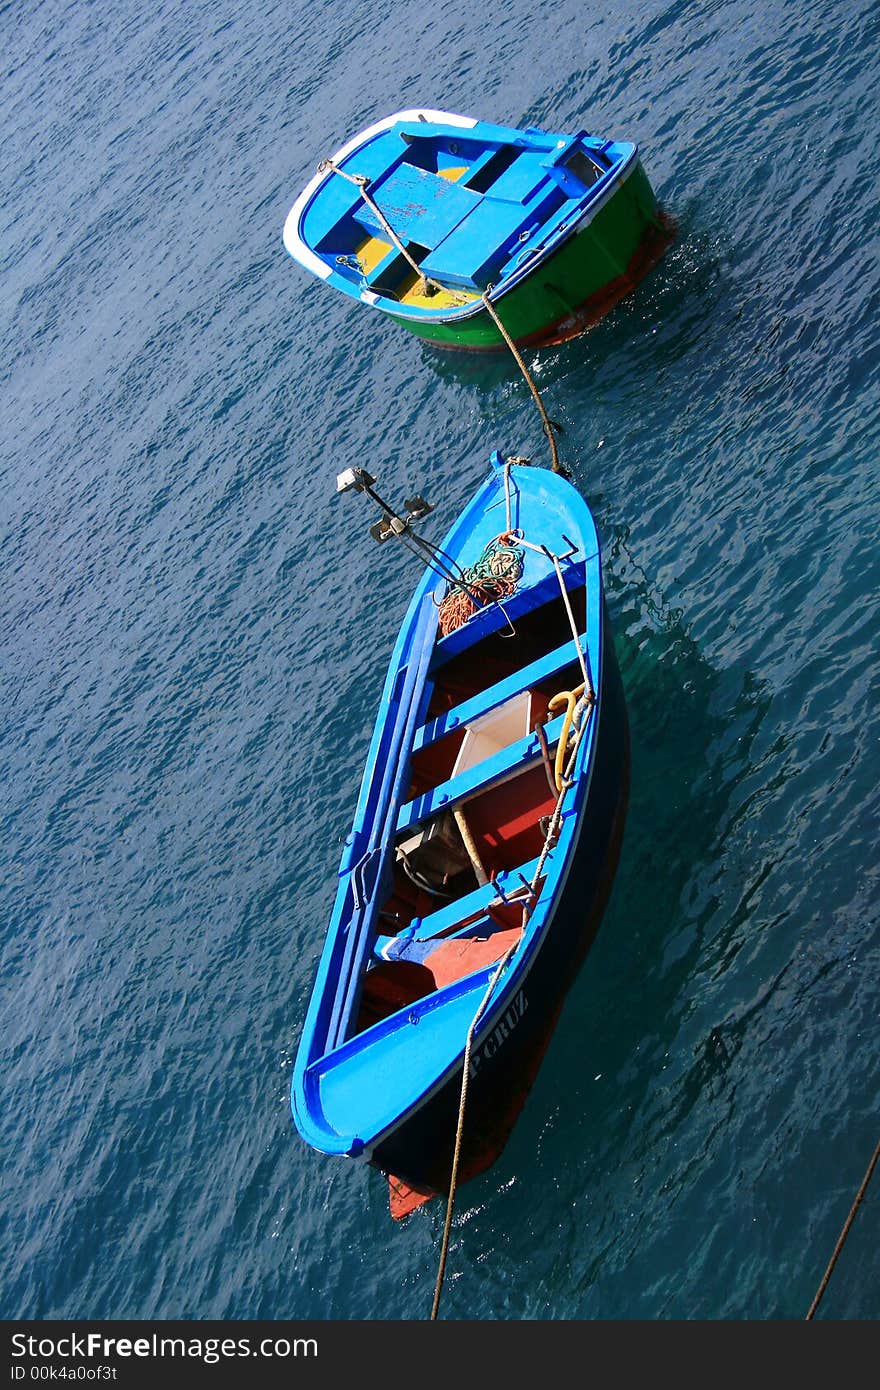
354	480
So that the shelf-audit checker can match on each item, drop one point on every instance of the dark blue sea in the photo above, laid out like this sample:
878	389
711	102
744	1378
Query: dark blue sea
194	631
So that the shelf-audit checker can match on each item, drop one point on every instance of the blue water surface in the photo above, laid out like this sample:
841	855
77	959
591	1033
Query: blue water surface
193	633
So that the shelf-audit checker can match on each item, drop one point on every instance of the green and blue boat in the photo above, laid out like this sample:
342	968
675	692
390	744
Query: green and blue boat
425	213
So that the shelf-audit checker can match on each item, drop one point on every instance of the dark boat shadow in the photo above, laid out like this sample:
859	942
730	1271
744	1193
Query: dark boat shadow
627	1005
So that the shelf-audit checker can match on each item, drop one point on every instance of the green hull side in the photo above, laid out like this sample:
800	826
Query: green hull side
582	268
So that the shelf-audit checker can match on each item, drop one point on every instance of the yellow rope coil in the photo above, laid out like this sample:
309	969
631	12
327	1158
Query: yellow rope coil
569	698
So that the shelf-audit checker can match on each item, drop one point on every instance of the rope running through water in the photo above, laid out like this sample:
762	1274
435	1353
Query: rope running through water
430	287
582	714
843	1235
549	840
545	418
444	1249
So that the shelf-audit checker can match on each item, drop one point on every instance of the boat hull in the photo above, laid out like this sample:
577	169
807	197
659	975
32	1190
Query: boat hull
575	286
418	1152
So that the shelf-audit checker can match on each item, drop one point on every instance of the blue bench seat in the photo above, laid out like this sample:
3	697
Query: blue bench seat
486	700
494	617
522	179
479	778
474	250
461	916
421	207
479	246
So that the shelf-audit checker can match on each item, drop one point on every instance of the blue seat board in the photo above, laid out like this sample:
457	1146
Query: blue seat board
467	909
505	763
415	948
486	700
403	948
533	591
522	179
420	206
477	246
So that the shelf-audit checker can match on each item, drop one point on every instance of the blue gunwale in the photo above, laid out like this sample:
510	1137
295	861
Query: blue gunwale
321	1072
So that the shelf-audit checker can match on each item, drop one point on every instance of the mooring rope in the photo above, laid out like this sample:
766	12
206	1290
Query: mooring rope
584	710
545	418
361	181
429	287
844	1233
462	1101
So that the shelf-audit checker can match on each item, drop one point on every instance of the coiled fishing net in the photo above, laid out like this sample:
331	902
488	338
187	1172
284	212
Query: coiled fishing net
492	579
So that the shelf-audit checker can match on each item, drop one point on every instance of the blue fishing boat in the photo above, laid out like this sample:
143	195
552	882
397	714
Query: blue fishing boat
484	842
426	211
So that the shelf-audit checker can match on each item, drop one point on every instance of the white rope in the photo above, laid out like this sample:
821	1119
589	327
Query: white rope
588	687
584	704
542	550
507	504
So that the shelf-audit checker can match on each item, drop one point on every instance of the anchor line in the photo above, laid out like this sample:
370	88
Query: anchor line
427	286
843	1234
580	720
530	382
